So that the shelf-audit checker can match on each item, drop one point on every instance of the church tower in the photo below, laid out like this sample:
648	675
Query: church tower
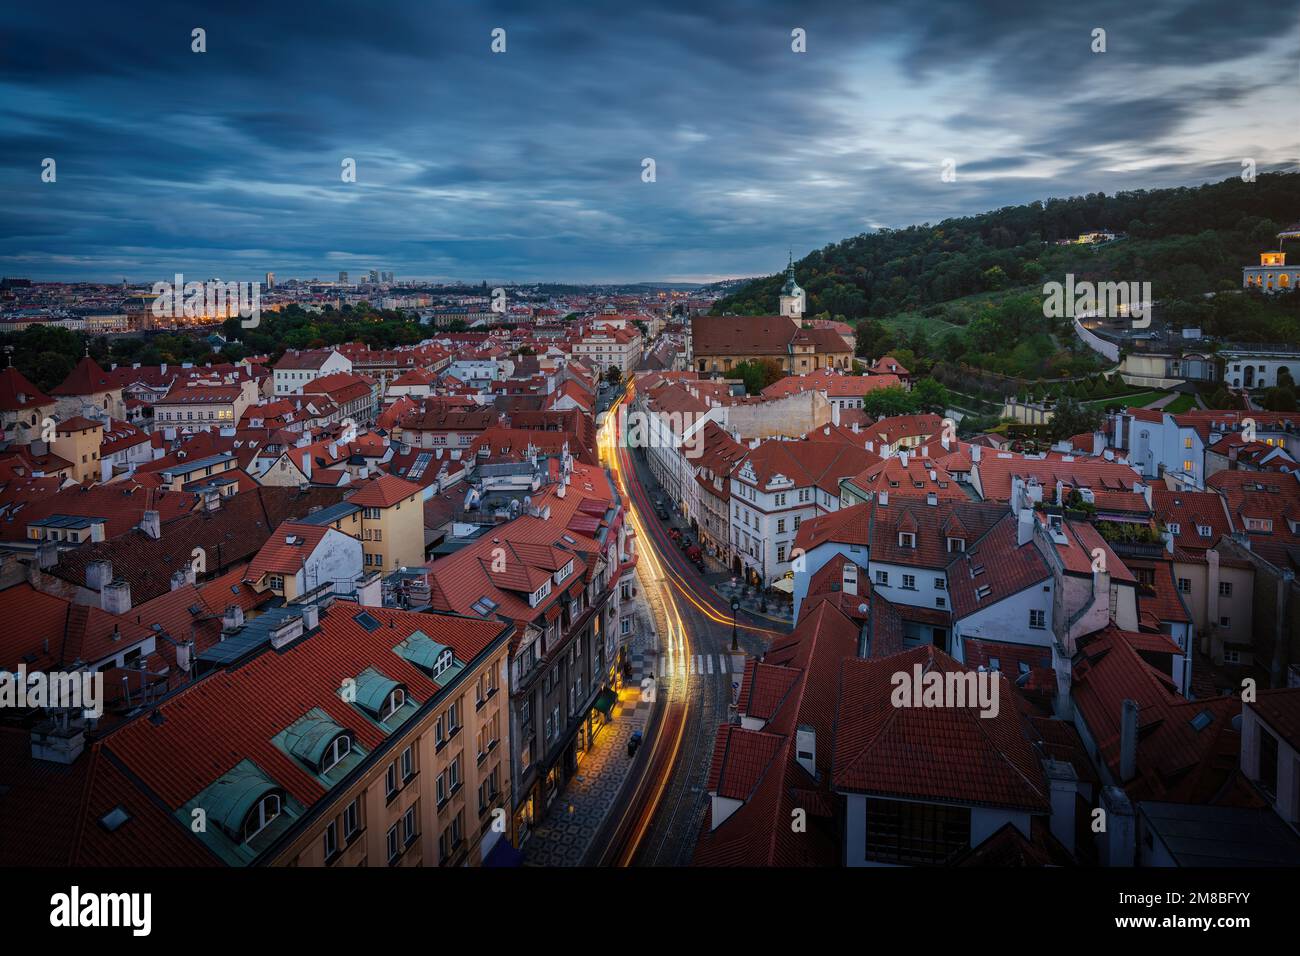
792	297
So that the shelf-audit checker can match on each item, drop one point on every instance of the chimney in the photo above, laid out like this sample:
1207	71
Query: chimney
849	578
179	580
1119	840
902	458
805	749
1024	526
98	573
286	631
211	500
310	616
1064	784
370	590
97	532
1128	740
185	655
975	454
115	597
47	555
60	739
151	524
233	619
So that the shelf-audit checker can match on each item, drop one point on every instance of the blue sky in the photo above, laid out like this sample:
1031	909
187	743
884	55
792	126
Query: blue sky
527	165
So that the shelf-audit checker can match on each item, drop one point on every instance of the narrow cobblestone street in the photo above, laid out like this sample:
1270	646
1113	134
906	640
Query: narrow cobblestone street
565	837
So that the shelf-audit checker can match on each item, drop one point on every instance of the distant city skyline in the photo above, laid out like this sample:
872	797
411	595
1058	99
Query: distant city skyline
526	166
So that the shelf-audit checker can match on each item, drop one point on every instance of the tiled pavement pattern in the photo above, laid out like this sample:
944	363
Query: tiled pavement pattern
565	836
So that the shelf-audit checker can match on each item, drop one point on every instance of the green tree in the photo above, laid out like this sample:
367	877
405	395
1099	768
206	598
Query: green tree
1069	417
930	395
894	400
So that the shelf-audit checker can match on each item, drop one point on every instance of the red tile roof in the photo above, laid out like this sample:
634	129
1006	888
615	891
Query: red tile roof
1175	761
384	492
941	754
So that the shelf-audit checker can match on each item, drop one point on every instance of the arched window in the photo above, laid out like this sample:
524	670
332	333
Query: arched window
1285	280
394	703
339	748
262	815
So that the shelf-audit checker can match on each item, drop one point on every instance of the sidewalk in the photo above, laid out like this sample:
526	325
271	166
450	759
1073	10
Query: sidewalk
564	838
778	610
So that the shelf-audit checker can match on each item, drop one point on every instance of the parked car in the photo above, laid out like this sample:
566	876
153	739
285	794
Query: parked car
693	553
663	514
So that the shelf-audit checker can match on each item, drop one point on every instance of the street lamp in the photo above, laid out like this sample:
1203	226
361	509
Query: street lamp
735	638
762	594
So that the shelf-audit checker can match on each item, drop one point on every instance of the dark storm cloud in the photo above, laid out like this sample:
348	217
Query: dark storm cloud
525	165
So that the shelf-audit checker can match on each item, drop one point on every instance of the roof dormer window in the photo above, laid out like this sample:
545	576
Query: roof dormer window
262	815
907	539
393	703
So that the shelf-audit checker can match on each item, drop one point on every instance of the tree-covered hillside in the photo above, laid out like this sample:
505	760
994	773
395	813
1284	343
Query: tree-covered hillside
1184	241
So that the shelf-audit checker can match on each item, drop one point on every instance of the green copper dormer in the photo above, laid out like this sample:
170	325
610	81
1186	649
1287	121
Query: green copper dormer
382	699
240	814
436	660
326	750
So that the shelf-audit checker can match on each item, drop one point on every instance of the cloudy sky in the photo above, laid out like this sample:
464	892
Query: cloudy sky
528	164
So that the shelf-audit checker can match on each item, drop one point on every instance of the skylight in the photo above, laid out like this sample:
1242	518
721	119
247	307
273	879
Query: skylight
114	819
366	620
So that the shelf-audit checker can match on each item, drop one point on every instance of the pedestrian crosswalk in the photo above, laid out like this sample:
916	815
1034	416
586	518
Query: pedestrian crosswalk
675	662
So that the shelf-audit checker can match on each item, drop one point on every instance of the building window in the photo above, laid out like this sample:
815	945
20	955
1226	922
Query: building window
915	833
1231	656
1185	585
1037	618
352	819
1225	588
331	839
909	582
390	781
337	750
394	703
411	824
394	845
262	815
882	577
408	764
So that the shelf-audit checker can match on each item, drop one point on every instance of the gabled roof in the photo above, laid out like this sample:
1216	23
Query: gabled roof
939	754
761	767
87	378
1175	760
18	393
384	492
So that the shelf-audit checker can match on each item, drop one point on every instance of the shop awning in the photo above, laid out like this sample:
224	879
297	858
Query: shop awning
785	584
605	701
503	854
